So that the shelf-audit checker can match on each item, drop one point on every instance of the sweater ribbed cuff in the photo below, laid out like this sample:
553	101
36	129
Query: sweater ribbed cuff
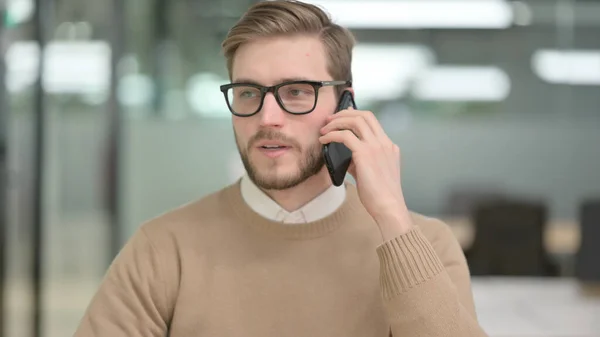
407	261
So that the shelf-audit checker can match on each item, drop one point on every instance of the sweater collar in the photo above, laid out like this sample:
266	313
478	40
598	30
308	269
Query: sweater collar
350	211
320	207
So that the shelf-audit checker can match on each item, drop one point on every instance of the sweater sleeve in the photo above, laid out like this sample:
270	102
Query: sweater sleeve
132	298
426	285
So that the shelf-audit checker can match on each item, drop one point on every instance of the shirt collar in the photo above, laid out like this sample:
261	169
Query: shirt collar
320	207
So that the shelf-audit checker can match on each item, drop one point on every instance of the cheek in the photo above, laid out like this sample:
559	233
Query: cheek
311	131
242	131
327	104
319	119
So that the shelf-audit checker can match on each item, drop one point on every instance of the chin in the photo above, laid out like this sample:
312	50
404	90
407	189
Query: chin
276	178
284	172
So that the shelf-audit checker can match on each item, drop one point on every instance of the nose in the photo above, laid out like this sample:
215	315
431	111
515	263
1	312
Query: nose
271	114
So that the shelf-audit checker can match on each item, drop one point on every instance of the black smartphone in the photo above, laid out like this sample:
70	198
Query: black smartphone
337	155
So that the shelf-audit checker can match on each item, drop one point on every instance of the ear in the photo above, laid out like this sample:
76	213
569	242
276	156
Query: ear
352	91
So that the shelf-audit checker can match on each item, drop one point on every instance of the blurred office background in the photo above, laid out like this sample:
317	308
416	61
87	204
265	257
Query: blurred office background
495	105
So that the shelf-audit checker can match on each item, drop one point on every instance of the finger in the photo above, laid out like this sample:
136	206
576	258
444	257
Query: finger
345	137
368	116
357	125
352	170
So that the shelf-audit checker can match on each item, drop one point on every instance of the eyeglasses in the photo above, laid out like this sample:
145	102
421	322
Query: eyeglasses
294	97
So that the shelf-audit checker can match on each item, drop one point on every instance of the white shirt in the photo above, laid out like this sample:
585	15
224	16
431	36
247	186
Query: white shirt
318	208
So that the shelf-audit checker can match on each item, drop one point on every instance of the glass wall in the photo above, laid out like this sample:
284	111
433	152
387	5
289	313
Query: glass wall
75	227
508	103
503	100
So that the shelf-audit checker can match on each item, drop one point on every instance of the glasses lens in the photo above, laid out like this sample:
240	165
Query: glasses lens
244	100
297	97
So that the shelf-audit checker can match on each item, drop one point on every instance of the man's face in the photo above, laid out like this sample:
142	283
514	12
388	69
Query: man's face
298	156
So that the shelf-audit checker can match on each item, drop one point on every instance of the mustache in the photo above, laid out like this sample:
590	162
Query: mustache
270	134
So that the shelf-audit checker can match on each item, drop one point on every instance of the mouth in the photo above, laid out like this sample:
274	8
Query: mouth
273	147
273	150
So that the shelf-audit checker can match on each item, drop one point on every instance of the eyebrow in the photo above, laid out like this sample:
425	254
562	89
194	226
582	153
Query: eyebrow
281	80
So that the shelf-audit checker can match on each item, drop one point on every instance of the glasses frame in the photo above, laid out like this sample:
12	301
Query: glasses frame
275	91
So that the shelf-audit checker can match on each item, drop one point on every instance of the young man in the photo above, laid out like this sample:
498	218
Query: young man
283	252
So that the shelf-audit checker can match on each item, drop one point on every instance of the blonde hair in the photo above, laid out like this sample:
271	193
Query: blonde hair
287	18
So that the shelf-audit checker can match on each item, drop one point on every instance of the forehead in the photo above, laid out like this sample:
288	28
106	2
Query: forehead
270	60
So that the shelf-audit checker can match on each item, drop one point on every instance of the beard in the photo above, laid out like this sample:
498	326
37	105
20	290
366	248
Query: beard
309	164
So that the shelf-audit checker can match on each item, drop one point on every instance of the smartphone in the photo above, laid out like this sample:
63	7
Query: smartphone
337	155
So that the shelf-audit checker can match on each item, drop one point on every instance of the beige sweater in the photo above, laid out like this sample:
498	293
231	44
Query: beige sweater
215	268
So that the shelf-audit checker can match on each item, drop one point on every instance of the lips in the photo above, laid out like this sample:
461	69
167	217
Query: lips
272	148
272	145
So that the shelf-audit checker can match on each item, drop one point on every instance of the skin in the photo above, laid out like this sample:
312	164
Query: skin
299	174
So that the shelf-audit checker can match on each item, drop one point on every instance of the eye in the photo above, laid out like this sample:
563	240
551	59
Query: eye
247	94
298	91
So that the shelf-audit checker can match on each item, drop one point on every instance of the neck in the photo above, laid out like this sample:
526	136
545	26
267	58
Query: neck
293	198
